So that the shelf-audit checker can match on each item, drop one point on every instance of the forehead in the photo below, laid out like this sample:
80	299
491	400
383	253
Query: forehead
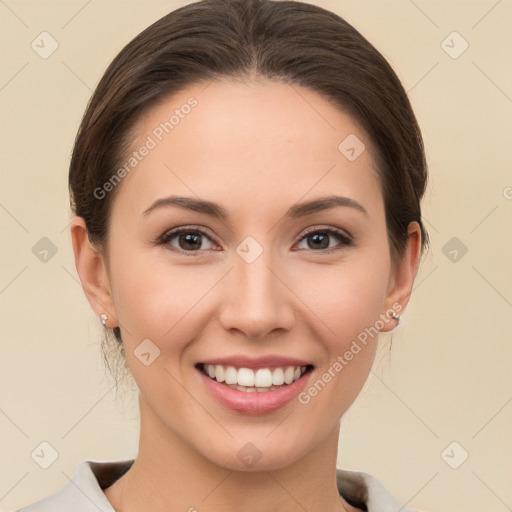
246	142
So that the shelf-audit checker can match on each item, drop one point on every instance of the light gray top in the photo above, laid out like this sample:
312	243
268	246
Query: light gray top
84	491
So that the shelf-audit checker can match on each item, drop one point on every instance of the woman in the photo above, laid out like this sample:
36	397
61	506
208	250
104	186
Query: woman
246	184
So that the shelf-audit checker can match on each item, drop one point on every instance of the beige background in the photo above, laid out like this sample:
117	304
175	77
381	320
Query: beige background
447	377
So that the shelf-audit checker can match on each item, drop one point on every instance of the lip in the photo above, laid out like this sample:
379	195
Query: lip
255	403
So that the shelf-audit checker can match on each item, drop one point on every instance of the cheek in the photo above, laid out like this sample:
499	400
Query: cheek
159	300
348	302
347	298
349	347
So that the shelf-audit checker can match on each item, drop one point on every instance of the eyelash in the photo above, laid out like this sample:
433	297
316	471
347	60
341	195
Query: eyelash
344	239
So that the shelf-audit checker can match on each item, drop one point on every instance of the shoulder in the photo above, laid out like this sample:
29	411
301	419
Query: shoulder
365	491
83	492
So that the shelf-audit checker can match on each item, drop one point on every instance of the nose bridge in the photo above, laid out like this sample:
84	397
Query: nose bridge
256	300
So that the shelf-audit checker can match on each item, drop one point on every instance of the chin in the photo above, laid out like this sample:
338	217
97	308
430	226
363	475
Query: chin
262	453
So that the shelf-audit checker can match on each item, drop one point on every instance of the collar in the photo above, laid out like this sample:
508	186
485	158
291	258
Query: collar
84	491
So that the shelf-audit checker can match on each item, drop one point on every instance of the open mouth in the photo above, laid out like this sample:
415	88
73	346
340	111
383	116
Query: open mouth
257	380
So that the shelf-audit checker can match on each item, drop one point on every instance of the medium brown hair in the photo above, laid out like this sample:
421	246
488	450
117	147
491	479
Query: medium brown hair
288	41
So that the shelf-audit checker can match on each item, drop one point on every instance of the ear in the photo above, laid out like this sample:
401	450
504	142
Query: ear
92	270
402	276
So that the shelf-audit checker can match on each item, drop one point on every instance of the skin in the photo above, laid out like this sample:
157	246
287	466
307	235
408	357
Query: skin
255	148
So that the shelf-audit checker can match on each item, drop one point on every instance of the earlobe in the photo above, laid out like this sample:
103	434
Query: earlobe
91	267
402	276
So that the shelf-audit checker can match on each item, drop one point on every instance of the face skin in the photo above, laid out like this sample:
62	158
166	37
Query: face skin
255	149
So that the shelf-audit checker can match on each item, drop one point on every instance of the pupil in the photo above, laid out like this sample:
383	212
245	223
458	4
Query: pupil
322	238
191	240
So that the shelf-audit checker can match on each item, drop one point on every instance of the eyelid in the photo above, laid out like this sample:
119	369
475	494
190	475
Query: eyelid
320	227
192	227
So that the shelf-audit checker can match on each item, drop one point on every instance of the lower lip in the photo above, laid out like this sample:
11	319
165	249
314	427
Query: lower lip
254	403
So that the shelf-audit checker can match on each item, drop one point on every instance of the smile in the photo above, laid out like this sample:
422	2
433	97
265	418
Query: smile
252	387
254	380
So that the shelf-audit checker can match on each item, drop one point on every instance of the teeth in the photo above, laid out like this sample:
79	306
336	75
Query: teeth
253	389
245	377
288	374
219	373
278	377
261	380
230	375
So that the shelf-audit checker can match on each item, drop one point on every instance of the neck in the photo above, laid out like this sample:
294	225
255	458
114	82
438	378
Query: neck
170	474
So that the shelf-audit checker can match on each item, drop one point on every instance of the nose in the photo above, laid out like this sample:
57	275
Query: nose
256	300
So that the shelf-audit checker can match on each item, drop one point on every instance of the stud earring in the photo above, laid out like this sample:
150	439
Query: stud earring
103	319
396	316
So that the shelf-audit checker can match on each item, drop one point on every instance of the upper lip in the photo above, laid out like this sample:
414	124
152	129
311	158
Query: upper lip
268	361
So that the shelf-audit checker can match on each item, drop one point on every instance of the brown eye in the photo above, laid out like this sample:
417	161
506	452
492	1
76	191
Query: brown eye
325	239
188	240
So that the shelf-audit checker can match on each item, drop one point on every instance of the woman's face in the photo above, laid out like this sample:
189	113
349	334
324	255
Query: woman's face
266	274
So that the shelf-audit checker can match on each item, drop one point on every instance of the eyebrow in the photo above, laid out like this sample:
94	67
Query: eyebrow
294	212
